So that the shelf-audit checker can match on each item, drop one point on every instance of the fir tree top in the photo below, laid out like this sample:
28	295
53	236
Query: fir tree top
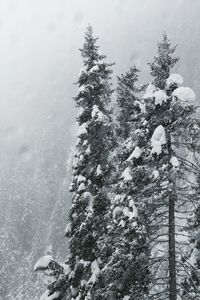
129	78
89	51
127	101
163	63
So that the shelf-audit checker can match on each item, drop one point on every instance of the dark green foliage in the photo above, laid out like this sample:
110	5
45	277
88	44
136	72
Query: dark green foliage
91	166
125	272
163	63
127	101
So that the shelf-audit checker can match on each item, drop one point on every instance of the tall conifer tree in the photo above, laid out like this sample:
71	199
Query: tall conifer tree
91	172
91	168
125	275
171	193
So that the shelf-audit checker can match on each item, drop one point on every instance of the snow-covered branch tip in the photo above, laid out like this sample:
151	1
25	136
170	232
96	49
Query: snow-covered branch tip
47	263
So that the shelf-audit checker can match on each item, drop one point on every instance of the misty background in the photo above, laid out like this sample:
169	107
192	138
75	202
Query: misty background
39	63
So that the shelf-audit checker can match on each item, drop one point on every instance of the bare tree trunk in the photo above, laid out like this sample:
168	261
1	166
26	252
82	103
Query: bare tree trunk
171	234
172	249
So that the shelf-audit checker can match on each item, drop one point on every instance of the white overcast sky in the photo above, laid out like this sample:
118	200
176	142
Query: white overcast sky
39	58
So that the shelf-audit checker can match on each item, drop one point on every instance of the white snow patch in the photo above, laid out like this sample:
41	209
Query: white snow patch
95	271
158	139
130	214
96	113
164	166
94	69
149	93
126	298
160	97
89	197
81	110
194	256
99	170
68	228
82	89
117	211
131	203
85	263
66	268
184	94
82	129
122	223
134	208
174	161
155	174
135	154
81	187
144	122
81	179
165	184
43	262
174	79
81	72
88	151
119	198
127	174
46	295
129	144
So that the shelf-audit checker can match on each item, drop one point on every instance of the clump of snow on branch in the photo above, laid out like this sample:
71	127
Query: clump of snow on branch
94	69
126	175
117	211
88	196
135	154
43	262
134	209
118	198
94	271
82	89
68	228
128	213
82	71
81	178
155	174
81	187
46	295
126	298
149	93
88	150
174	79
99	170
194	257
158	139
81	110
82	129
174	161
184	94
160	97
97	114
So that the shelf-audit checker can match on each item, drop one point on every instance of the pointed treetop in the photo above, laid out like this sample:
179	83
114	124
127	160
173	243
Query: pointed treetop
129	78
90	50
163	62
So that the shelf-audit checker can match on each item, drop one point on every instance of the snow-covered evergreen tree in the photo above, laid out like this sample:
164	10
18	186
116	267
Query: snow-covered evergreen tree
91	169
170	193
125	274
163	63
128	105
91	176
